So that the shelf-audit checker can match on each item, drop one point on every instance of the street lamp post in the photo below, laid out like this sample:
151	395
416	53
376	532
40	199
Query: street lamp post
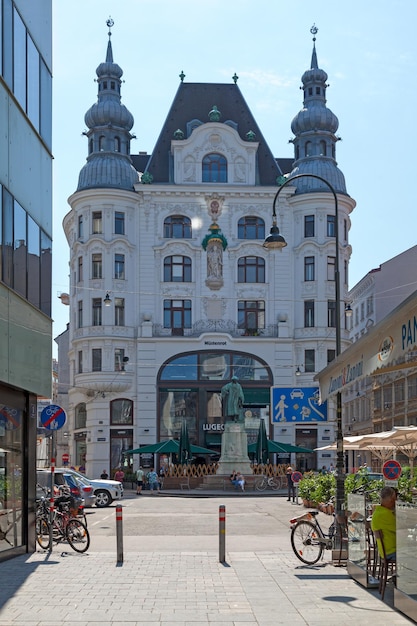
275	241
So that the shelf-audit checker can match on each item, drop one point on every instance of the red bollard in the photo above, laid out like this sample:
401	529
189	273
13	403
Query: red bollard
222	533
119	533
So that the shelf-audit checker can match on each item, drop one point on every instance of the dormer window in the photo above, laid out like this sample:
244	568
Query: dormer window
214	168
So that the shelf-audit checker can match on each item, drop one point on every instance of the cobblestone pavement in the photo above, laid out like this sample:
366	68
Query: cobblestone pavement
171	574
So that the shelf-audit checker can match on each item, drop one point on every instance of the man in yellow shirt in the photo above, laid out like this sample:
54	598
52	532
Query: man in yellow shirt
383	518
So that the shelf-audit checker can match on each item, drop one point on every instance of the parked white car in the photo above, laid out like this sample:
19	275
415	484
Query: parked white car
105	490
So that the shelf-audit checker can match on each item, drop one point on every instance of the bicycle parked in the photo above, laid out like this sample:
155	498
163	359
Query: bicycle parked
308	539
273	482
65	527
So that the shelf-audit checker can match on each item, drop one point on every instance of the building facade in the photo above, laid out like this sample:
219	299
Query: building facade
171	289
25	254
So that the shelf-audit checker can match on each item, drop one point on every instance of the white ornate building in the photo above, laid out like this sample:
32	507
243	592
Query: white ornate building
172	291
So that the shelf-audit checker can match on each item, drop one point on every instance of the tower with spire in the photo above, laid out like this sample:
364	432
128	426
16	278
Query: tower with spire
172	291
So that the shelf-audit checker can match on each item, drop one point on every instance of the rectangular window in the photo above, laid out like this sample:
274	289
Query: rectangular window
331	355
80	314
362	311
345	230
331	313
34	262
119	223
80	227
33	99
80	361
97	320
119	355
119	312
97	266
46	273
177	314
251	315
331	226
80	269
309	361
20	250
309	268
96	359
97	223
331	268
7	244
346	268
119	266
308	313
19	59
309	226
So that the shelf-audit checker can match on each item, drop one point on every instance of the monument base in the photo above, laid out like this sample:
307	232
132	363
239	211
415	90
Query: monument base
234	455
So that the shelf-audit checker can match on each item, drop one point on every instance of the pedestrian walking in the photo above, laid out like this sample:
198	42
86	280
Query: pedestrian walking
290	484
139	481
153	480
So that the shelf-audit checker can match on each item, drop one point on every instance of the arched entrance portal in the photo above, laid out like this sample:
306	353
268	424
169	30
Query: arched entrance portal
189	386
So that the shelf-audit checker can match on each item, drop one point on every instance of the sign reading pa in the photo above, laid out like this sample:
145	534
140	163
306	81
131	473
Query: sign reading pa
297	404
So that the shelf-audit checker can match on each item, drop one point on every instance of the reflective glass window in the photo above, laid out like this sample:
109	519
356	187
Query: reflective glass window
46	273
34	262
33	97
8	42
121	412
46	105
7	243
20	250
181	368
19	59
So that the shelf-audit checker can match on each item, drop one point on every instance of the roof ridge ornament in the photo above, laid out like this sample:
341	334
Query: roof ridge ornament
110	24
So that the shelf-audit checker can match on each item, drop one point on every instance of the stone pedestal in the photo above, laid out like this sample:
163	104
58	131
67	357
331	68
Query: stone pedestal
234	455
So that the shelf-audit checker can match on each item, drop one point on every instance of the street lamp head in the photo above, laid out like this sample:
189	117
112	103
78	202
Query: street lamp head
107	300
348	310
274	241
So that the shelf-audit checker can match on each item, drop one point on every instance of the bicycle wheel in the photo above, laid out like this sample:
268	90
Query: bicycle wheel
77	535
42	533
261	484
274	483
305	542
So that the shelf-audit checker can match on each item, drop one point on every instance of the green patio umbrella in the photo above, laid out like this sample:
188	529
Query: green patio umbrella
184	451
280	448
262	452
170	446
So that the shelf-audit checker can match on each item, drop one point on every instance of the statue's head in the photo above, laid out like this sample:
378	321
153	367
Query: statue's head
235	378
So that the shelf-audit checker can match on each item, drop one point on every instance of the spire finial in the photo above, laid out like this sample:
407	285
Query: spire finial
110	24
314	30
182	76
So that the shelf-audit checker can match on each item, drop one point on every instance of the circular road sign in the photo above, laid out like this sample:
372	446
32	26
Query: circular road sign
296	477
391	470
10	418
53	417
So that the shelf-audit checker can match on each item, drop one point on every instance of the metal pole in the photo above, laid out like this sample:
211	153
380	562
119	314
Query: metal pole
222	533
119	533
279	242
51	495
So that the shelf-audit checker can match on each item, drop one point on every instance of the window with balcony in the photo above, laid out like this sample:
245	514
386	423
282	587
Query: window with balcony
177	269
331	313
119	312
119	363
97	312
177	315
251	315
251	269
80	361
308	313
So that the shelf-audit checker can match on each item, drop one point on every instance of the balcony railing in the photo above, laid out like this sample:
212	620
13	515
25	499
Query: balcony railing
215	326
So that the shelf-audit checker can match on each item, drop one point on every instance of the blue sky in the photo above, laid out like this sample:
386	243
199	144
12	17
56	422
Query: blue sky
368	49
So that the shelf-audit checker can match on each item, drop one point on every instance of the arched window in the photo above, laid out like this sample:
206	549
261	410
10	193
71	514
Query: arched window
80	415
117	144
177	227
251	227
214	168
101	143
90	146
177	269
308	149
121	412
251	269
322	148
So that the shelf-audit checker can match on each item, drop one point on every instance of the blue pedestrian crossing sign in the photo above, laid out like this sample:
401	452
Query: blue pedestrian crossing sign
53	417
297	404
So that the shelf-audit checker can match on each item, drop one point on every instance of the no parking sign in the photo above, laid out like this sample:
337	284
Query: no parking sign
391	471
